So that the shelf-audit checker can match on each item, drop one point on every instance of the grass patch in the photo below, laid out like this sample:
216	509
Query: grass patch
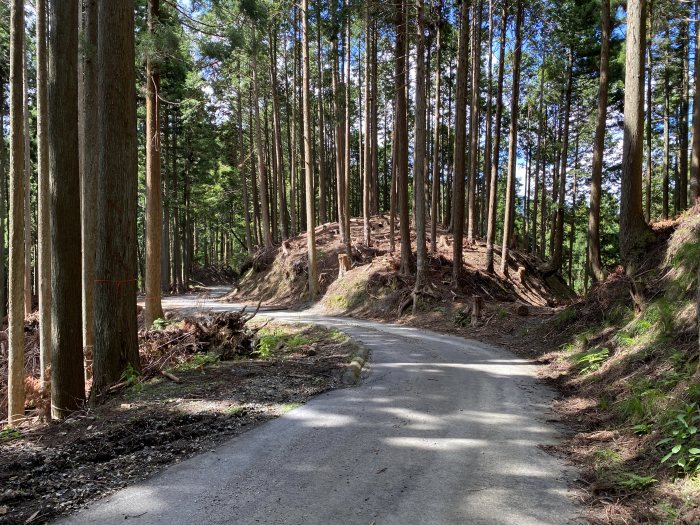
8	434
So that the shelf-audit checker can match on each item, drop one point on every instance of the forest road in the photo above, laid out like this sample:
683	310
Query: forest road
442	430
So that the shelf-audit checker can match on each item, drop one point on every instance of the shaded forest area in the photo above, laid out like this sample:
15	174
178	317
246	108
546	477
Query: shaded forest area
146	142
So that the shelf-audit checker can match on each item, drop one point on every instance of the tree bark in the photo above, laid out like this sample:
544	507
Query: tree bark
401	140
649	166
15	378
558	255
366	181
322	168
419	155
154	217
667	151
493	190
43	204
277	141
339	129
683	117
633	228
436	136
474	121
308	160
513	142
67	375
460	143
262	167
28	299
346	162
116	262
594	259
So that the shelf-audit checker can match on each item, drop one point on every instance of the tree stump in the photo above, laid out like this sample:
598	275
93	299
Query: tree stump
344	264
285	248
521	273
521	309
477	307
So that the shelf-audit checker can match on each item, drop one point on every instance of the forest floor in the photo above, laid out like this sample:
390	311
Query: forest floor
627	381
49	469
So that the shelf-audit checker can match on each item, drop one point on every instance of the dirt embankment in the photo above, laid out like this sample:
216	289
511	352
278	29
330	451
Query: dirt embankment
374	288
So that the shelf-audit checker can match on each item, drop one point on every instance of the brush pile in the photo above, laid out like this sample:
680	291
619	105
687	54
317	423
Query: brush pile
225	335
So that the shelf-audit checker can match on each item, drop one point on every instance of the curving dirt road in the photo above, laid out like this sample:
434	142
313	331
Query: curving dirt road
442	430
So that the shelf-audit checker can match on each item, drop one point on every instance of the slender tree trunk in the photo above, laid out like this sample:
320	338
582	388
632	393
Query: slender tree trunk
539	157
177	226
667	151
262	167
513	142
367	180
474	121
28	299
558	255
242	161
488	140
633	228
695	148
67	376
322	168
493	190
339	129
436	136
277	140
460	143
15	378
293	164
401	140
419	155
116	263
308	160
44	259
683	117
165	276
572	226
649	166
154	217
348	188
594	259
3	208
87	112
374	181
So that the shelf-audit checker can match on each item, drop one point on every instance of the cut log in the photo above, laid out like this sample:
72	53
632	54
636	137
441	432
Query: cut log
170	376
344	264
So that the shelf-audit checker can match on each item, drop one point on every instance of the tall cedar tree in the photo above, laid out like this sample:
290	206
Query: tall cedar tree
44	237
67	379
459	145
493	190
89	157
15	379
116	348
513	142
154	215
419	154
633	228
401	140
596	265
308	154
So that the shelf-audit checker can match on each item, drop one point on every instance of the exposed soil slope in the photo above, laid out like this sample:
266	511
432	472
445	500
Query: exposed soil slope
374	288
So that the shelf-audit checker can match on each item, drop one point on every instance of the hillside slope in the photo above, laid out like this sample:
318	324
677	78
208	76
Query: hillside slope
373	286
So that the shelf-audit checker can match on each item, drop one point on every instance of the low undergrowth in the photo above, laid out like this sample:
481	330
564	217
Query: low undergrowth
632	389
